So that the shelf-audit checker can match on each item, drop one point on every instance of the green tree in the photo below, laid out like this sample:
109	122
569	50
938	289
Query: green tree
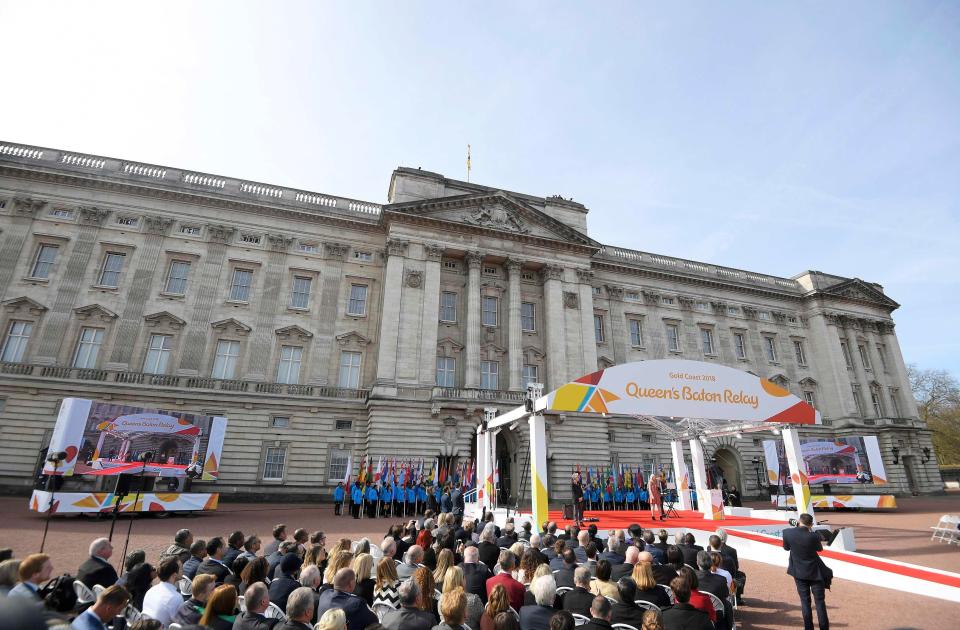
937	393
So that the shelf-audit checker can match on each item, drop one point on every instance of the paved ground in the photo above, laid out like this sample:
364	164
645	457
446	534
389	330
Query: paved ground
771	598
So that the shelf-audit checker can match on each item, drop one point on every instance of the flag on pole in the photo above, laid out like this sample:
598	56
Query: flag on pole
362	473
379	471
346	476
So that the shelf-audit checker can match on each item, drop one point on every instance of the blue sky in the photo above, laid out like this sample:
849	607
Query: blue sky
765	136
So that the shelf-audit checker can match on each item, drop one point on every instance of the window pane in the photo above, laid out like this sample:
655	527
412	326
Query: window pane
177	277
358	300
598	328
894	402
740	345
15	345
488	374
673	338
707	336
771	346
240	289
864	357
490	305
158	354
300	292
446	370
798	349
846	353
273	463
88	347
636	333
350	370
44	263
448	307
112	266
528	319
530	374
808	396
338	465
288	370
225	364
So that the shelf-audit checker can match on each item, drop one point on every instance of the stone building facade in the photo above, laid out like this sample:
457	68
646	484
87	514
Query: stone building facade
324	326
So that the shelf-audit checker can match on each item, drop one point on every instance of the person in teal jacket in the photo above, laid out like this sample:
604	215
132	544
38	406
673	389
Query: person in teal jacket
372	497
607	499
618	498
386	499
338	498
421	499
411	500
356	500
631	498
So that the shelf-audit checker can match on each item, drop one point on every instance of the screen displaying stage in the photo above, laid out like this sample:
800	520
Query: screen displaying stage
102	438
854	460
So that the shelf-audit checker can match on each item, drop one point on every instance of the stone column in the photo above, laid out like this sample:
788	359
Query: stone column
858	369
589	339
472	353
908	405
262	339
74	277
430	315
835	398
553	314
618	337
514	334
208	287
390	322
328	313
15	235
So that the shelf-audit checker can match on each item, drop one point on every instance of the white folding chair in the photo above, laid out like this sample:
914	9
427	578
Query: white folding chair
437	594
98	588
673	598
611	600
647	605
580	620
382	609
174	626
623	626
185	586
241	603
84	594
719	607
563	590
132	614
515	613
273	612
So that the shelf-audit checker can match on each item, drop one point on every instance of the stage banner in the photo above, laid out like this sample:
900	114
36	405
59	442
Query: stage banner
103	438
852	459
104	502
678	388
847	501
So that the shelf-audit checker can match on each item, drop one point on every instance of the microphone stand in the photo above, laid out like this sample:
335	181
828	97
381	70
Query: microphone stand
148	457
53	492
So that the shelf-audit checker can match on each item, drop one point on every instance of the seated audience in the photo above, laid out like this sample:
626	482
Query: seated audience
363	568
453	580
626	568
509	536
580	598
96	569
564	575
666	573
111	602
180	547
646	583
563	620
254	572
138	582
498	603
601	611
198	551
333	619
256	600
489	550
281	587
279	535
9	575
424	579
453	610
537	616
650	546
683	615
234	548
626	610
359	616
220	612
213	564
300	610
409	616
412	561
514	588
602	585
250	547
190	611
475	574
385	589
163	600
652	620
697	599
34	570
710	581
338	560
310	577
689	549
287	548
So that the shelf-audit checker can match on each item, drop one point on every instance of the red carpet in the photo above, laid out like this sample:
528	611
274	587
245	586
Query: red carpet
610	519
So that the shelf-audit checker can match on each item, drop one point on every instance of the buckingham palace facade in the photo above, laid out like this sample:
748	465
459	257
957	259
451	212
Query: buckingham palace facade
325	327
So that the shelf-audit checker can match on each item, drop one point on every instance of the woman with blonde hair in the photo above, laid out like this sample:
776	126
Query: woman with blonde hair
603	585
344	544
339	560
652	620
444	562
647	588
363	567
454	580
385	589
428	590
220	612
453	610
316	555
9	575
496	604
333	619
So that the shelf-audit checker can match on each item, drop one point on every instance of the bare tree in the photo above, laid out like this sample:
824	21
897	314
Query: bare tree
937	393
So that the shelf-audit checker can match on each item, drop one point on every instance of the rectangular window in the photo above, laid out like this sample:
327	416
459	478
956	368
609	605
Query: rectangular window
158	354
673	338
44	261
88	347
856	399
707	335
846	354
451	264
344	425
250	239
864	356
882	352
636	332
177	277
669	300
631	296
15	345
703	306
808	396
598	328
875	400
362	256
300	292
446	372
763	315
489	271
350	370
280	422
740	345
895	402
733	310
798	350
61	213
128	221
191	230
288	370
448	306
273	463
358	300
489	371
225	363
770	345
490	310
240	287
597	291
308	248
528	316
110	272
338	465
531	374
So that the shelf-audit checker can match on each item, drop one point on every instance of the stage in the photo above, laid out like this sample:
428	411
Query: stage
688	519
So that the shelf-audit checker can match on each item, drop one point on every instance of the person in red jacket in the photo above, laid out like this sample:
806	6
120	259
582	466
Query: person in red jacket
514	589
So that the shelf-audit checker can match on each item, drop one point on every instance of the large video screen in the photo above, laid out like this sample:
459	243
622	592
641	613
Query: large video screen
102	438
854	459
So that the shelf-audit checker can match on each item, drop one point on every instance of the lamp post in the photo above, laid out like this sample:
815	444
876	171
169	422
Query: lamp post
756	470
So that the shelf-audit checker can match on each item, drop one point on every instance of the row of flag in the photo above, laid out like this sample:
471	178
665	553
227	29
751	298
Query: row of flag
627	476
413	471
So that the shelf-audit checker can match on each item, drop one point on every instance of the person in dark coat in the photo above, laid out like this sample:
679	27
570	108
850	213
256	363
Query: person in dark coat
214	563
359	616
256	600
580	598
536	616
234	548
808	570
198	551
682	614
601	611
689	549
285	583
96	569
626	611
475	574
564	575
300	608
489	551
408	616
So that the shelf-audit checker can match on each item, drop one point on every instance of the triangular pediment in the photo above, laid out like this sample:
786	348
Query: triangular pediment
446	346
498	211
164	317
491	352
23	302
231	324
352	337
94	310
857	289
532	353
293	332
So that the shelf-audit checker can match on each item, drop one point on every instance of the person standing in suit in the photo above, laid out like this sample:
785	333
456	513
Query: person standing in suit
576	489
96	569
807	570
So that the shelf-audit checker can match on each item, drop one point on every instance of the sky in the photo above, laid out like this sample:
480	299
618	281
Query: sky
772	137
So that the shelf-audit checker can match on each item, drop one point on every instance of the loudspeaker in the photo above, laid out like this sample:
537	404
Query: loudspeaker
122	487
567	511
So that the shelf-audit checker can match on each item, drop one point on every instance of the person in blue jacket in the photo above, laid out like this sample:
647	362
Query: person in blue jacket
338	498
386	499
398	496
411	500
594	497
356	500
631	498
372	497
421	499
644	497
607	499
618	498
